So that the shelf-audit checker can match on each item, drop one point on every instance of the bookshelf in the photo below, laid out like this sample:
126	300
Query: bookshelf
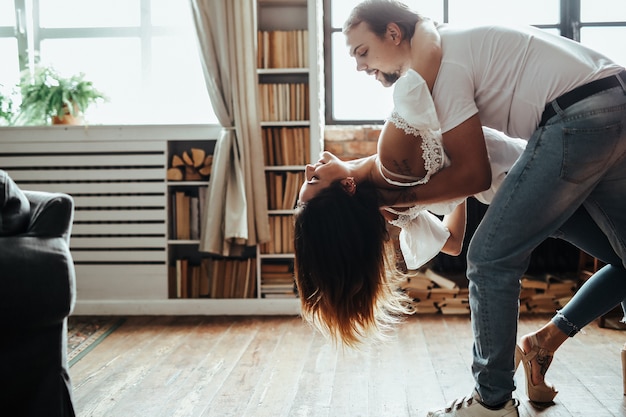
290	68
191	273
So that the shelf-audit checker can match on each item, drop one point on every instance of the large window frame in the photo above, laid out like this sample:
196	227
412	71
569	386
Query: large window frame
30	34
570	26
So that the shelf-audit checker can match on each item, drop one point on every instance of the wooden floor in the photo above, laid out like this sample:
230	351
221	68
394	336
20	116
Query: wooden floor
278	366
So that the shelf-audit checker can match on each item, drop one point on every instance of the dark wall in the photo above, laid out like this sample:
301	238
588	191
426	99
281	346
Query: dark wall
553	255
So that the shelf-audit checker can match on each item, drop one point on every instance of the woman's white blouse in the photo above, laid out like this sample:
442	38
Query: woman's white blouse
422	234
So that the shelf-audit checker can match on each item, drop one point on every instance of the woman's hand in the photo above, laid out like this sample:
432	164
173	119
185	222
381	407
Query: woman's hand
455	223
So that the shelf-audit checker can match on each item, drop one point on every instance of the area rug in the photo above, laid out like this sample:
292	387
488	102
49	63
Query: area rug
85	333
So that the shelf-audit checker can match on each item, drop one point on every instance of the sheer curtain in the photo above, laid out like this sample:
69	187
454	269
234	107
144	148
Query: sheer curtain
236	213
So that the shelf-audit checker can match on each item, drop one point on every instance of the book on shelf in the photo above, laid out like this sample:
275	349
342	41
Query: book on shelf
186	210
281	235
285	145
293	182
181	202
205	277
284	101
282	193
276	233
233	278
274	267
214	278
189	279
282	48
279	191
277	278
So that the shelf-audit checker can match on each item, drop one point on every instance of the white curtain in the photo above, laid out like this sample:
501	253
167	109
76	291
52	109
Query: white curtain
236	213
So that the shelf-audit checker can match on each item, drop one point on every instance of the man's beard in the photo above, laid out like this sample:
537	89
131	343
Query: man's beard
389	78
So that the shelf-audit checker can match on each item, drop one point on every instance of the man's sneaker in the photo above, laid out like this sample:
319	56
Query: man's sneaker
472	407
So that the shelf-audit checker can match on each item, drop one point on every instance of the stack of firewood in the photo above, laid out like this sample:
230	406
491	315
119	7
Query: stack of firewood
190	166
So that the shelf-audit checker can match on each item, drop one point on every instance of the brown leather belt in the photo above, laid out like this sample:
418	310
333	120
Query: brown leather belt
580	93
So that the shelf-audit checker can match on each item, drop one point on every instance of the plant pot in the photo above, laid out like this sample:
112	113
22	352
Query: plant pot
67	118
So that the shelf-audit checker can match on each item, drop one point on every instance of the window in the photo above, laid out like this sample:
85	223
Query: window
142	54
354	98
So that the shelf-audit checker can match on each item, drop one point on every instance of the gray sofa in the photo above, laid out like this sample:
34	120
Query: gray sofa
37	294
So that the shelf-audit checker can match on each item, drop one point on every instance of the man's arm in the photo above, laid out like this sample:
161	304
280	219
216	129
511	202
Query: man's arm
469	171
426	51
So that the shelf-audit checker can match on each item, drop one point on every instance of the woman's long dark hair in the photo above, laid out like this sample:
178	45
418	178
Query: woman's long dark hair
345	265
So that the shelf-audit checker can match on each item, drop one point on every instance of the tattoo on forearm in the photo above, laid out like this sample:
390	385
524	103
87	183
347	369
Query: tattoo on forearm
406	196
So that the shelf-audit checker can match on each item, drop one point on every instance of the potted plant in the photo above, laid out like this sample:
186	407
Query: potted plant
48	97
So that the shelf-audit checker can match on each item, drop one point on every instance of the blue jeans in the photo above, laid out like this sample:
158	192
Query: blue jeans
605	289
578	158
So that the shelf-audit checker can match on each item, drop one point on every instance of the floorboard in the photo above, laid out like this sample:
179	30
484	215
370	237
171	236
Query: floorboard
194	366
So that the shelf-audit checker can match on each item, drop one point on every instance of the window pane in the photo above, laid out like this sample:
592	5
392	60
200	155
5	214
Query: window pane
341	9
114	67
10	69
607	40
356	96
528	12
148	79
602	10
180	91
164	14
81	13
7	13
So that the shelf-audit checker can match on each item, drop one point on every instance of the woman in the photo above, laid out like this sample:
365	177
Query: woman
345	263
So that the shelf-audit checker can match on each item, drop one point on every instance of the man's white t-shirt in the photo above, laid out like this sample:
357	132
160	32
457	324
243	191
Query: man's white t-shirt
508	75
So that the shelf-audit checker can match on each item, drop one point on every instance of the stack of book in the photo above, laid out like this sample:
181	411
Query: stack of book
433	293
545	293
277	280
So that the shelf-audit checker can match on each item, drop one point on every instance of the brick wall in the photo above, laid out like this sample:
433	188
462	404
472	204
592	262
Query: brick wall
350	142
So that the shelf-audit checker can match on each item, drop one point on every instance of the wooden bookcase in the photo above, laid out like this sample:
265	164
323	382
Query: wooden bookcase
289	62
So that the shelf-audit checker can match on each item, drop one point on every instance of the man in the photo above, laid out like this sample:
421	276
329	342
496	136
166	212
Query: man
569	102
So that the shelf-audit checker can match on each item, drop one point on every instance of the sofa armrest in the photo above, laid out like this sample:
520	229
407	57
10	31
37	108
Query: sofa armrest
37	281
51	214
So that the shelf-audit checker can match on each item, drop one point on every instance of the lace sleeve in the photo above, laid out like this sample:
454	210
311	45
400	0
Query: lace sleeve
432	149
414	113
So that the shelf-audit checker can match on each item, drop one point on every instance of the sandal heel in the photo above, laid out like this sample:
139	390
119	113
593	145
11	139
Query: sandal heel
542	392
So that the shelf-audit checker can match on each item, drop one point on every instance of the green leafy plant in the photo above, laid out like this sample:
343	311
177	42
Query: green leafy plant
47	95
7	113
